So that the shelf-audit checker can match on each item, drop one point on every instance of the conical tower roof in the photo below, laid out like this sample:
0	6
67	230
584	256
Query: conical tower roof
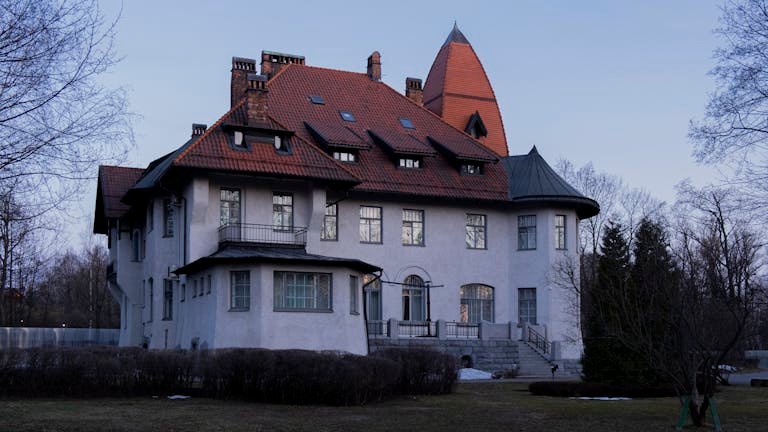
457	87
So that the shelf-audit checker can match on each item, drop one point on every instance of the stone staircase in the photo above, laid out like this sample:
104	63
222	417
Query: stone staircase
531	362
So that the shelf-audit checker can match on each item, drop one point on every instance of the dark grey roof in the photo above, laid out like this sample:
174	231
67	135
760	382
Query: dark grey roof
283	255
531	179
456	36
156	170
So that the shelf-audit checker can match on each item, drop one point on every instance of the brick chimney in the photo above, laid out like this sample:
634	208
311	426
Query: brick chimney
256	103
374	66
272	62
413	90
198	129
241	67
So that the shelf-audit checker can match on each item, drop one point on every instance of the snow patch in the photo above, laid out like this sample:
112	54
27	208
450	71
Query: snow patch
473	374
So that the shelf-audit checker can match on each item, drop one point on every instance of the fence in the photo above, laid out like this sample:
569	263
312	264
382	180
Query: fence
29	337
462	330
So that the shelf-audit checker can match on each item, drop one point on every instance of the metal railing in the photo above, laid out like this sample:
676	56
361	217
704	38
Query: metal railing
263	234
462	330
417	329
377	328
538	341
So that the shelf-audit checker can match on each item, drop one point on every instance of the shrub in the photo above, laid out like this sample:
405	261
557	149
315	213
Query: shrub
422	371
590	389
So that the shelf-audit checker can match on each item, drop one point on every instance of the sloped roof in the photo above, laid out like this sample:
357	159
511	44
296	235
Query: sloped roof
254	254
457	87
531	179
112	184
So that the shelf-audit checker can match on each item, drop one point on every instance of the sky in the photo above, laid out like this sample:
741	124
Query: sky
614	83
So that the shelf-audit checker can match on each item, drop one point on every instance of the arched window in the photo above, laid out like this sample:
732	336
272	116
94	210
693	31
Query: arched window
476	303
413	299
372	298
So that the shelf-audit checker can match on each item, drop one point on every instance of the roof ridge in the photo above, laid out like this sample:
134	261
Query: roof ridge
207	132
121	167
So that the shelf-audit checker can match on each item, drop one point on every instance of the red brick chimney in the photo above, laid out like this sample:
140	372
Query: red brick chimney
413	90
198	129
272	62
256	103
374	66
241	67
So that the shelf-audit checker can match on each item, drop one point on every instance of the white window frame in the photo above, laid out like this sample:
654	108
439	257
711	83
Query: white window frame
471	239
527	305
370	225
413	221
560	232
239	301
331	216
526	232
302	291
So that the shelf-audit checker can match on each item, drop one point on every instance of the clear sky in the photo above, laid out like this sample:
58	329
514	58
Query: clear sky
612	82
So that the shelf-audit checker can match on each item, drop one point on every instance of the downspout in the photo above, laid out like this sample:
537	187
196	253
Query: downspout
365	311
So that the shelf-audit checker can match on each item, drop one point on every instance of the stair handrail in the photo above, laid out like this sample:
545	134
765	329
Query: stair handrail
539	341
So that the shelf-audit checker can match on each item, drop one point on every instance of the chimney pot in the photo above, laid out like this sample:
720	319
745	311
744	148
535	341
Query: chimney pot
256	99
198	129
414	91
241	67
374	66
272	62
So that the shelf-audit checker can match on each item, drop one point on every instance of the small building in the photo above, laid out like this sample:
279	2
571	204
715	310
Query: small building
325	208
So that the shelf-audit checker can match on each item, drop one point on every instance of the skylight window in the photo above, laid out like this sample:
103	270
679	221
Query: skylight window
407	123
347	116
317	100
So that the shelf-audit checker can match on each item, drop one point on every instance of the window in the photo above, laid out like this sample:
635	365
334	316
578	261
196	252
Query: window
526	232
413	227
240	290
238	139
208	287
330	229
229	206
471	169
136	245
476	303
282	210
475	236
347	116
194	288
353	297
302	291
410	163
317	100
407	123
526	305
345	156
281	145
167	299
151	288
560	231
372	297
370	224
413	299
183	292
169	218
150	216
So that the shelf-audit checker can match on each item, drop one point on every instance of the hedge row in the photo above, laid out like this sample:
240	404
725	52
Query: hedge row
281	376
590	389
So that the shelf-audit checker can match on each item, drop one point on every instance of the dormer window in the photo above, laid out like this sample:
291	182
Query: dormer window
471	169
410	163
281	145
239	139
345	156
347	116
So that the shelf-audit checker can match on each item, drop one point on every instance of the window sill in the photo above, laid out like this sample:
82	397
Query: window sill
477	248
303	310
371	243
239	309
354	313
329	240
523	250
561	249
414	244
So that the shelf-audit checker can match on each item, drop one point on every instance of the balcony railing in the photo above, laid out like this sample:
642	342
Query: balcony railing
460	330
268	235
378	328
417	329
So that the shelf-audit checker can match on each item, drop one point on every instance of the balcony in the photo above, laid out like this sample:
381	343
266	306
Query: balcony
263	235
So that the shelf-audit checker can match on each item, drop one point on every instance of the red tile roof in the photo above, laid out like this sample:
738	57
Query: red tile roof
457	86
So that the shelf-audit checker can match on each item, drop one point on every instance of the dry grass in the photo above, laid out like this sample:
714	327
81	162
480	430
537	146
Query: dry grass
474	407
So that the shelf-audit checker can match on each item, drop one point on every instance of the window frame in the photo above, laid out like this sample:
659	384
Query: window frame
370	224
526	230
150	215
345	156
167	300
476	304
411	225
474	228
239	202
561	234
282	206
411	289
415	163
233	296
368	288
151	287
354	297
529	302
280	300
169	218
335	217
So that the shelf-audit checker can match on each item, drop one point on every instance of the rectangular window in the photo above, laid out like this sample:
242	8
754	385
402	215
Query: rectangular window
136	245
302	291
167	299
282	210
209	286
229	207
353	297
527	305
169	218
330	229
151	288
345	156
240	290
183	292
475	233
560	231
471	169
526	232
413	227
370	224
194	288
150	216
409	163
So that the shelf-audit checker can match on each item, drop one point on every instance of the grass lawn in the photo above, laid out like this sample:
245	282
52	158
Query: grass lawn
473	407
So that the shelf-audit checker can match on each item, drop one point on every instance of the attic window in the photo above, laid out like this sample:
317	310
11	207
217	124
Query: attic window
407	123
410	163
345	156
238	139
347	116
281	145
471	169
317	100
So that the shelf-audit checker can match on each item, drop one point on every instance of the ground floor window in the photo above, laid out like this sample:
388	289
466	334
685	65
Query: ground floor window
414	306
372	298
476	303
527	305
302	291
353	296
167	299
240	290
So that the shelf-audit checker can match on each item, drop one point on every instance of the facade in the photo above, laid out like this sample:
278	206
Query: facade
325	208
